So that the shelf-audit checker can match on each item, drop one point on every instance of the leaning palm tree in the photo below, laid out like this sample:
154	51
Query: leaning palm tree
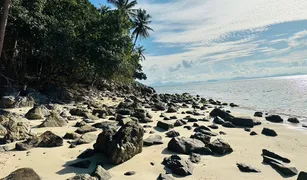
140	51
140	25
125	7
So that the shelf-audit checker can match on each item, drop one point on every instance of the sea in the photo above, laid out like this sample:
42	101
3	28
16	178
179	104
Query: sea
285	96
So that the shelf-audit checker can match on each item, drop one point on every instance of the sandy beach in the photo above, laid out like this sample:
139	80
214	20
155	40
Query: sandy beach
52	163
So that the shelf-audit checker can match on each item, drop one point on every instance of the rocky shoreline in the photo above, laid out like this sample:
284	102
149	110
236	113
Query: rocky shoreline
105	130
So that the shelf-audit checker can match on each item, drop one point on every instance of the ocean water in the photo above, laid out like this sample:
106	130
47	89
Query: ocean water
286	96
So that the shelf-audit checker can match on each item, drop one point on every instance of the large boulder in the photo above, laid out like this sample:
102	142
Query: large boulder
218	120
7	102
23	174
302	176
122	145
220	147
242	122
268	132
47	139
185	145
165	125
293	120
37	112
274	119
202	137
220	113
54	120
178	165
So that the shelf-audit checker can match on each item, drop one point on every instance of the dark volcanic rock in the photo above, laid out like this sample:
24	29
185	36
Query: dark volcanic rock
23	174
160	106
222	114
203	137
130	173
279	167
188	127
178	165
213	126
274	119
220	147
253	133
71	136
86	154
200	128
247	168
172	109
82	164
228	125
195	158
172	134
101	173
293	120
165	125
165	177
218	120
104	140
242	122
302	176
268	132
258	114
185	145
247	129
153	140
180	123
275	156
85	129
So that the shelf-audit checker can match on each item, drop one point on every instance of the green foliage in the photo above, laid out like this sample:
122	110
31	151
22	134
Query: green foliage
71	41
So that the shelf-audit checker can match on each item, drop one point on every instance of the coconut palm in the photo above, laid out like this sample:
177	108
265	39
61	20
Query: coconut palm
125	7
6	8
140	25
140	51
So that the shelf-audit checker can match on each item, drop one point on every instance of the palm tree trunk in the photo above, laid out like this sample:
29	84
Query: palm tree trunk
6	8
136	38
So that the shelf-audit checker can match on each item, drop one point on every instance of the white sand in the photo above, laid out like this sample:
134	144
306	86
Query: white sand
51	163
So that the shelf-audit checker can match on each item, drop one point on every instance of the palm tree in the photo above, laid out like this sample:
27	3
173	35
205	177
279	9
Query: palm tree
140	51
125	7
103	9
6	8
140	25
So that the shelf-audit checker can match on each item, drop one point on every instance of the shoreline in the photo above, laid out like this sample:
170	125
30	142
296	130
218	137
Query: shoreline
52	163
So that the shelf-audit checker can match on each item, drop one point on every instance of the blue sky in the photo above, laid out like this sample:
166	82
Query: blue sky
199	40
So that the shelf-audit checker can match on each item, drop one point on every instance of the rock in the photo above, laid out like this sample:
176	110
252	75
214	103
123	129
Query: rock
185	145
233	105
77	112
65	114
101	113
153	140
130	173
268	132
166	118
160	106
275	156
82	177
47	139
195	158
302	176
220	113
253	133
247	168
54	120
213	126
86	154
80	124
279	167
3	130
180	123
195	125
222	133
124	111
243	122
172	134
218	120
293	120
71	136
274	119
173	117
82	164
188	127
178	165
228	125
104	140
101	173
103	125
220	147
23	174
38	112
86	138
88	115
201	128
202	137
88	121
126	143
165	177
192	120
165	125
258	114
172	109
85	129
7	102
247	129
123	121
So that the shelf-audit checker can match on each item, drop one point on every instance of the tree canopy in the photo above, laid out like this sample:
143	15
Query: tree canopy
71	41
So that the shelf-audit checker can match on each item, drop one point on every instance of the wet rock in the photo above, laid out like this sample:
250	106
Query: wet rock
165	177
274	119
302	176
38	112
101	173
258	114
178	165
153	140
246	168
268	153
85	129
202	137
279	167
71	136
195	158
293	120
172	134
130	173
185	145
82	164
23	174
218	120
268	132
228	125
165	125
54	120
86	154
220	147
